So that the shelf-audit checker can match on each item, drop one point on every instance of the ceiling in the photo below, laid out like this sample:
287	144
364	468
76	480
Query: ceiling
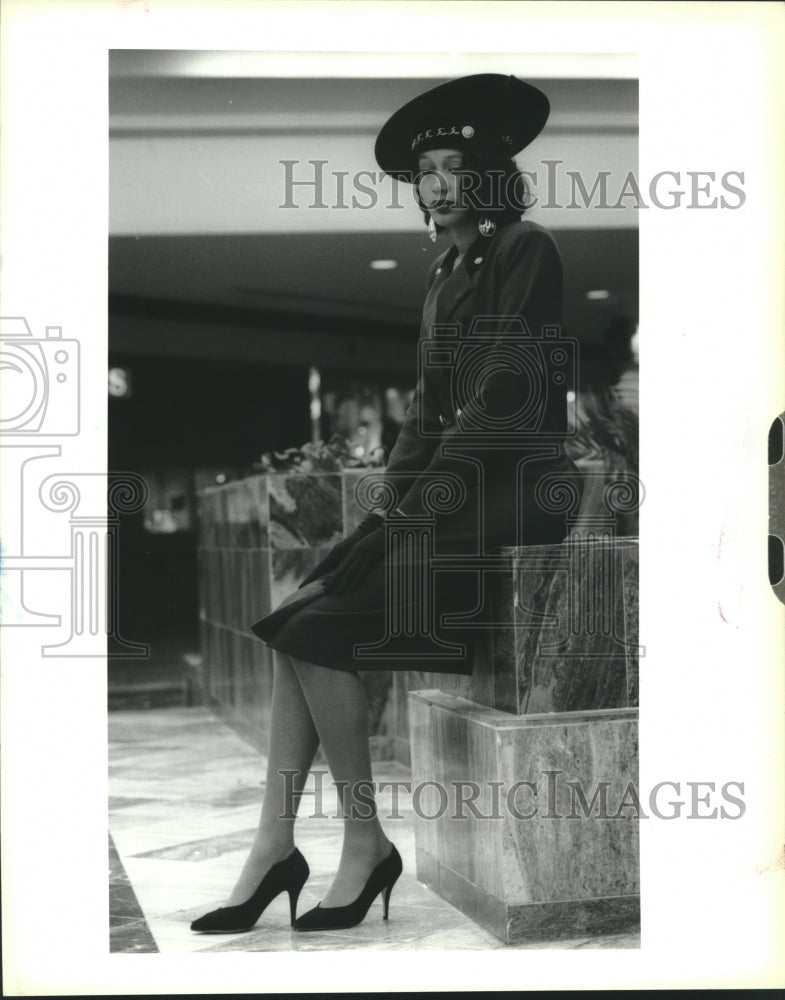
203	270
328	275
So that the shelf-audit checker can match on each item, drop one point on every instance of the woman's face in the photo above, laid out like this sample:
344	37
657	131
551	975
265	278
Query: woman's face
440	187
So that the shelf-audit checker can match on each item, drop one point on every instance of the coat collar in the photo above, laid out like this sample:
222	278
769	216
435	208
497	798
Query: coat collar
458	282
473	259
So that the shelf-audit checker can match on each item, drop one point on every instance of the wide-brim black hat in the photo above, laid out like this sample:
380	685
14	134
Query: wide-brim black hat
488	111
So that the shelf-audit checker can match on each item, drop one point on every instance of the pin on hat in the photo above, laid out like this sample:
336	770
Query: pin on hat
487	111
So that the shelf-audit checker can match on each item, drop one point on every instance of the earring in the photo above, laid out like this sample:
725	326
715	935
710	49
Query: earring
486	226
432	234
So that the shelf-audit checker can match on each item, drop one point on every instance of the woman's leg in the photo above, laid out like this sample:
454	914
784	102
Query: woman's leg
339	709
293	745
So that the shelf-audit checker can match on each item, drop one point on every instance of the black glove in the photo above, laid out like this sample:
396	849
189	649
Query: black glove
335	556
357	564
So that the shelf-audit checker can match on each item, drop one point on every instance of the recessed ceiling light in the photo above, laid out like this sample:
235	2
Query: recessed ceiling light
383	265
598	293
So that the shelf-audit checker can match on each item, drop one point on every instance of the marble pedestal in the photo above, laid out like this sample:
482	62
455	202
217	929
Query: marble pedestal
525	823
565	637
552	706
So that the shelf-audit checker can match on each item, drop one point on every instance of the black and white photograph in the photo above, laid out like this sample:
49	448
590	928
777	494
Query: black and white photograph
389	431
401	396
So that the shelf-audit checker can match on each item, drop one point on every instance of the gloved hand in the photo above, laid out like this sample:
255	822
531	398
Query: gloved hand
335	556
357	564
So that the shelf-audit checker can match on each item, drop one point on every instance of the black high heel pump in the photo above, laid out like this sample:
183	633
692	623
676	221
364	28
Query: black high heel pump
382	879
289	875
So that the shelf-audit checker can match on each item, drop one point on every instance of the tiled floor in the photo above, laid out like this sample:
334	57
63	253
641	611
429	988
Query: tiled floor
185	792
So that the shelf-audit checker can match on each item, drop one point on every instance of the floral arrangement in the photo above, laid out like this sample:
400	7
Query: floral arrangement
319	456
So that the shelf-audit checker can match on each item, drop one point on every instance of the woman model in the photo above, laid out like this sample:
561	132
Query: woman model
485	424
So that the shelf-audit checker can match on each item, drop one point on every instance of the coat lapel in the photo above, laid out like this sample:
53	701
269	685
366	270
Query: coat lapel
458	285
454	290
451	290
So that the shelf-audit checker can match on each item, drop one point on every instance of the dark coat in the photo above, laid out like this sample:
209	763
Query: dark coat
485	423
493	324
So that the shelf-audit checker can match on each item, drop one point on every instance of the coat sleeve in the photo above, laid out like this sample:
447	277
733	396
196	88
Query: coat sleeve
527	284
413	450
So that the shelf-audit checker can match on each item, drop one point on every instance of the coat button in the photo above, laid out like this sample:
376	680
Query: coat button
478	260
442	420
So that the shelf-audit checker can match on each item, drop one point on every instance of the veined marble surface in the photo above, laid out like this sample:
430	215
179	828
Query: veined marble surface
235	515
185	792
528	838
352	494
305	510
571	640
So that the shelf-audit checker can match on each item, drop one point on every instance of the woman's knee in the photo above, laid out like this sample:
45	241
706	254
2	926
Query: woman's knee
303	669
314	672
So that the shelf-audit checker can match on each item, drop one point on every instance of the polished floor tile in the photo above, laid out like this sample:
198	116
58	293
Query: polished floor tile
128	930
185	792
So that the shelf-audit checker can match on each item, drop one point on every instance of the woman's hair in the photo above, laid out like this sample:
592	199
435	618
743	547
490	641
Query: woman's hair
494	186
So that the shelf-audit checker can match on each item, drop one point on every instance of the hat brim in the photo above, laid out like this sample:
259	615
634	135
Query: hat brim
487	111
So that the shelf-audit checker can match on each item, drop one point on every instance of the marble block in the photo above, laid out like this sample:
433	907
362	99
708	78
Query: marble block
235	515
288	568
567	638
500	826
354	505
305	510
548	651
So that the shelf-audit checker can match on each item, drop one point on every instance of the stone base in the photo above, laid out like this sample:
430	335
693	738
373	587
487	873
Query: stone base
513	923
548	847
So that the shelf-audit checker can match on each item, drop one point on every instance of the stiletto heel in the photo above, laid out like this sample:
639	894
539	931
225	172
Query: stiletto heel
294	895
289	875
381	880
387	893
